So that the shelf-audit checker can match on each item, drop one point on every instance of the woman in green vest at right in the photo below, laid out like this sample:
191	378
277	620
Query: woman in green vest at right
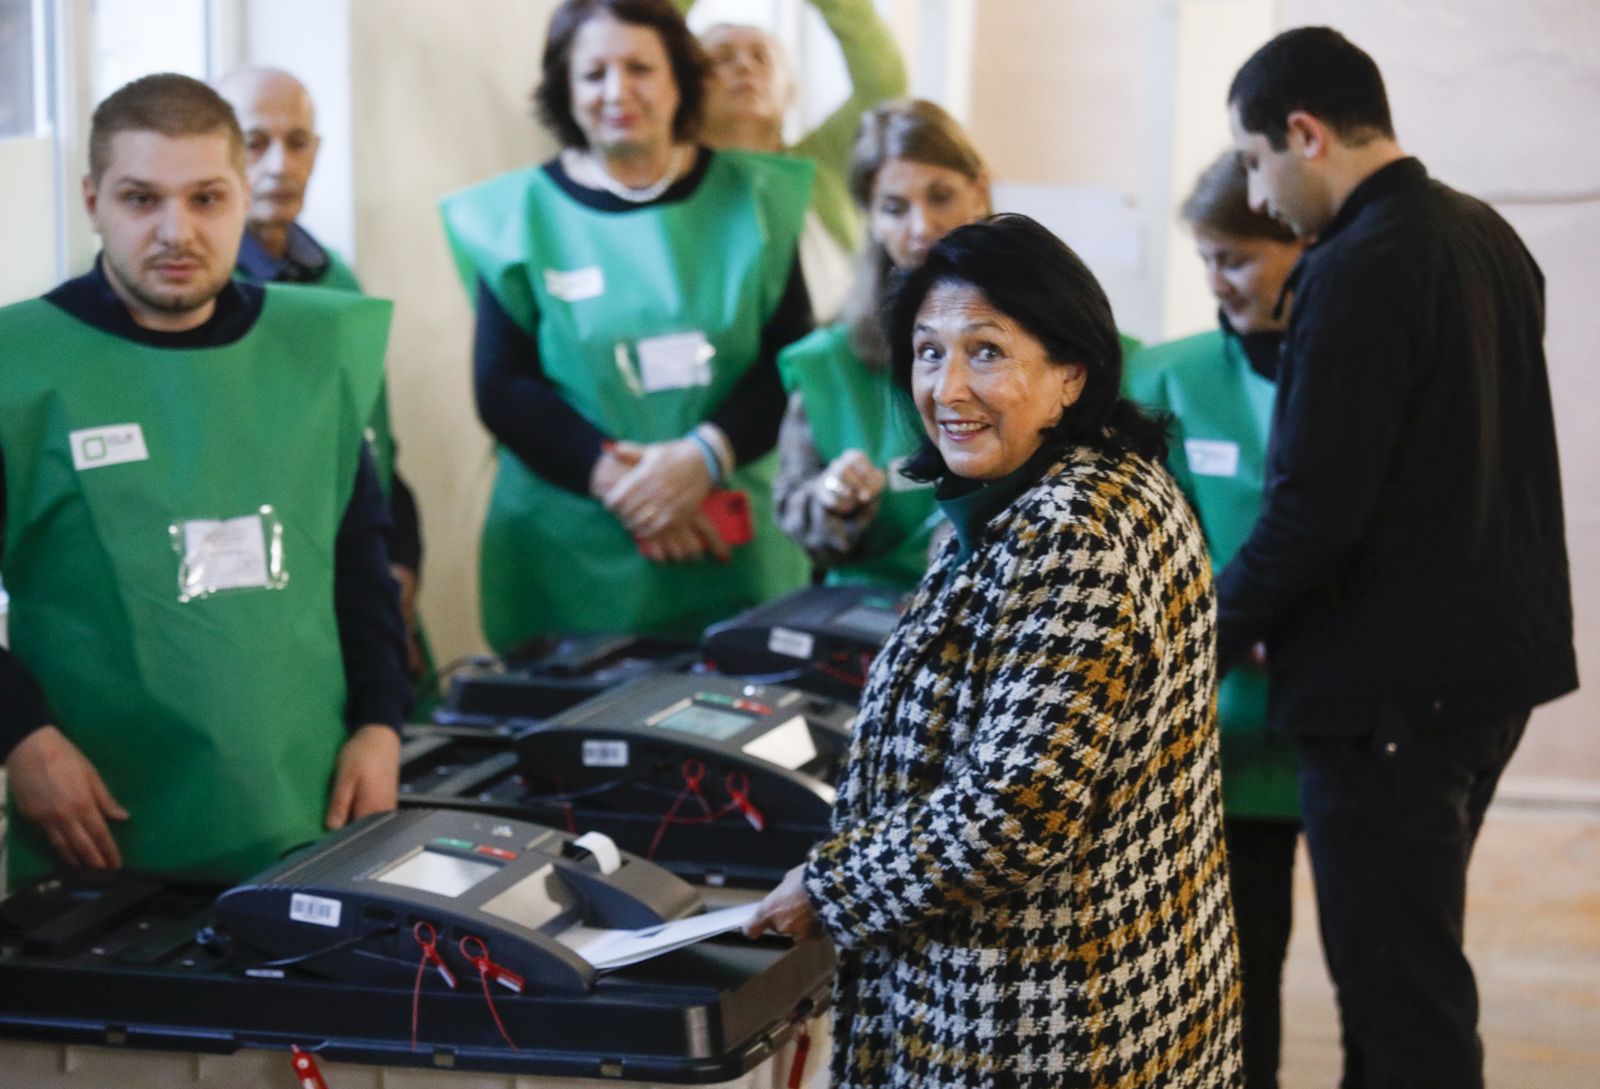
632	295
839	491
1219	387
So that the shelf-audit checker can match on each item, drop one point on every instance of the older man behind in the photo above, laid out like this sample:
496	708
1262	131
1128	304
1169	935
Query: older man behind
279	122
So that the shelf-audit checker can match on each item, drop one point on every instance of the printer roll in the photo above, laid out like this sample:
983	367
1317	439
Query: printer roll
603	848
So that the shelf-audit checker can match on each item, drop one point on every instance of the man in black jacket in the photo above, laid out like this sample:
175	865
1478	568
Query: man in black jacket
1408	571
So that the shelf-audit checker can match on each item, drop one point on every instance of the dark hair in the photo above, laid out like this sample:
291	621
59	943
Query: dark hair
1315	69
1036	280
918	131
553	97
164	103
1220	203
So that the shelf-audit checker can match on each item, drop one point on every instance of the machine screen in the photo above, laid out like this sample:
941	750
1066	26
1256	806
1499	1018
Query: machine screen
868	621
705	722
438	873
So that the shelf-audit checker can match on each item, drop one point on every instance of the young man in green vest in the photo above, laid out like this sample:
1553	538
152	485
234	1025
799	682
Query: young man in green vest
279	122
206	658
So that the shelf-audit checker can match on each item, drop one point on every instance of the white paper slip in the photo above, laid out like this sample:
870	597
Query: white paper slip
607	949
227	555
1212	457
575	285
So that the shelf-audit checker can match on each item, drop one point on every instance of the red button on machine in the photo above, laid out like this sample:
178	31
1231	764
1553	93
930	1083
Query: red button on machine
496	852
752	706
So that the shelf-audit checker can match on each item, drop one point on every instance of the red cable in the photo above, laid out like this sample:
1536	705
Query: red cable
737	784
693	771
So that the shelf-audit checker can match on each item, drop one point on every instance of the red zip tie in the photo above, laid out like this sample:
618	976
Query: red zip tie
306	1074
489	970
693	772
797	1066
738	786
430	955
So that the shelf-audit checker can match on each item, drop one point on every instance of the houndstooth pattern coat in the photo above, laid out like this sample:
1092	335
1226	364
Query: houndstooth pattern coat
1027	882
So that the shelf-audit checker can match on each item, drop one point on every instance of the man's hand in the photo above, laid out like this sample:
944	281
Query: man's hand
56	787
613	464
686	540
367	778
786	909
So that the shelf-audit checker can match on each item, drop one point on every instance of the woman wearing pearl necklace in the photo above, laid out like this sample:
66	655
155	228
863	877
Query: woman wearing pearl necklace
632	295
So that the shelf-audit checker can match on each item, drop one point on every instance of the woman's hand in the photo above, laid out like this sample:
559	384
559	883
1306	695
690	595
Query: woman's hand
849	483
613	464
685	540
787	909
664	487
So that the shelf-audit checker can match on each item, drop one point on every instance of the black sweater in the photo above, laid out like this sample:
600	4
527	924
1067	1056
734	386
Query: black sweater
1409	558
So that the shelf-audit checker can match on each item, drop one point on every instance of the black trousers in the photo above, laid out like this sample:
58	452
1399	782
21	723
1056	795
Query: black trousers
1261	878
1390	822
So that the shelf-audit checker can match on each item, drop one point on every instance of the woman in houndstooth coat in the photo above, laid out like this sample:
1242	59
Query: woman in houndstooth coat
1026	881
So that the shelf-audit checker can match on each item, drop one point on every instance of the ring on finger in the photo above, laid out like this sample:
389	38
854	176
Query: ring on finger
834	484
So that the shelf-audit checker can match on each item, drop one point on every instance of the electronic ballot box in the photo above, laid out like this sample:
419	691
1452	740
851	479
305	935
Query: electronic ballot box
821	639
715	778
547	675
418	938
352	907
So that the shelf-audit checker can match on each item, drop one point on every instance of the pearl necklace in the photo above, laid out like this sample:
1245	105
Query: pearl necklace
596	176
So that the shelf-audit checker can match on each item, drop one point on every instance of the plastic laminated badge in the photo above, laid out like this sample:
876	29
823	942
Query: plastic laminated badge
225	555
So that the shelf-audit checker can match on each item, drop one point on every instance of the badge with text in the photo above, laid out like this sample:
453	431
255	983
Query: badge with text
1212	457
675	361
575	285
94	447
217	555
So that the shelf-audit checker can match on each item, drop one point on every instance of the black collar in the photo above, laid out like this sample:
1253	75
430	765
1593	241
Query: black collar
1398	176
91	299
602	201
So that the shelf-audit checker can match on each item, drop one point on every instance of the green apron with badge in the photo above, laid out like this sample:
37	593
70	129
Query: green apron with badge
850	405
645	320
1223	410
380	440
169	549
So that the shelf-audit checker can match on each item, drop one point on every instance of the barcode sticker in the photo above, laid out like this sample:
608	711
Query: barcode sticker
314	909
787	641
605	754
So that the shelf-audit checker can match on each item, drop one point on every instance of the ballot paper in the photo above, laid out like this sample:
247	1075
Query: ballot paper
607	949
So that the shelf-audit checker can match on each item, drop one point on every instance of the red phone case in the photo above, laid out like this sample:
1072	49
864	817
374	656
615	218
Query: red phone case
729	512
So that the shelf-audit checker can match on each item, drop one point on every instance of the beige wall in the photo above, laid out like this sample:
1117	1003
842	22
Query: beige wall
441	93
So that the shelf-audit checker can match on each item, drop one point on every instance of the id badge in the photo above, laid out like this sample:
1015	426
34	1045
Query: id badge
227	555
675	361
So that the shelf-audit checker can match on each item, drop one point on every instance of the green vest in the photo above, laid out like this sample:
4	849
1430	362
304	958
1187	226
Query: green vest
214	718
341	277
851	405
605	293
1222	411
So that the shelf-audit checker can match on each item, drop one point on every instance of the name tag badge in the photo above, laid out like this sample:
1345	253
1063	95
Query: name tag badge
96	447
675	361
1212	457
575	285
899	482
215	555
